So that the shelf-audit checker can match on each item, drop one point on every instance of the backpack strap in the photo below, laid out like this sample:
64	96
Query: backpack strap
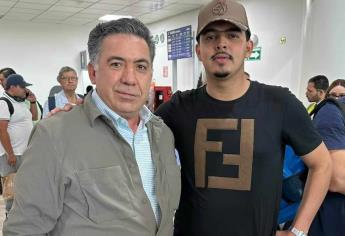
9	104
336	102
51	102
80	96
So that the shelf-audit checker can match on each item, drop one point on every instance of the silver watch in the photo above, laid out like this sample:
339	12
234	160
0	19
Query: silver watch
297	232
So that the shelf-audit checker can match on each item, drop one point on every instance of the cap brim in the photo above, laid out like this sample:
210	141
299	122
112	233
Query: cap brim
27	84
237	24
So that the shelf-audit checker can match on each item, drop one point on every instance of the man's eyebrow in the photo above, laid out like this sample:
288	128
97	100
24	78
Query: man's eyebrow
140	60
115	58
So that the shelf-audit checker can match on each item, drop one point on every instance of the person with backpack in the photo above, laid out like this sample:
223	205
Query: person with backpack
329	120
68	80
15	126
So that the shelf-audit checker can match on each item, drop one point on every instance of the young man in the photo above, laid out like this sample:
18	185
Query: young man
68	80
15	125
107	167
316	91
231	134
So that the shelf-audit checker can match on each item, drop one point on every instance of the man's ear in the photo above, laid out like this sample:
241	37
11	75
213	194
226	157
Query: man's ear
197	51
249	48
92	73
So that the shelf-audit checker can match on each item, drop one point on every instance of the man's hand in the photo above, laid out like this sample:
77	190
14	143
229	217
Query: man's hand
284	233
68	107
31	96
11	159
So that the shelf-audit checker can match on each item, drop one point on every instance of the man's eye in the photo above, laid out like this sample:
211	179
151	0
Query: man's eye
142	67
233	35
210	37
115	64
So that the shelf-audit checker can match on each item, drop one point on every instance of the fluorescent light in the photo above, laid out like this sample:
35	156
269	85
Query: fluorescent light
106	18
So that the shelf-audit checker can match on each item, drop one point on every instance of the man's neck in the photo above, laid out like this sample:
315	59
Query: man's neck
229	89
133	122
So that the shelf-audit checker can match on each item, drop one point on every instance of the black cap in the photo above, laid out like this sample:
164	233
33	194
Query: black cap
16	80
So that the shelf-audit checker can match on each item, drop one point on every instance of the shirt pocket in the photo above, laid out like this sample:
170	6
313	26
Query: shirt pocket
106	193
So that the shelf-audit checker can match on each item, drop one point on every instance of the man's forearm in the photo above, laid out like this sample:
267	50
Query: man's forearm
314	193
33	110
6	142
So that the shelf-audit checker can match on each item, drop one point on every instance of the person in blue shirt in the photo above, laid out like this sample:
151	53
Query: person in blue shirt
330	123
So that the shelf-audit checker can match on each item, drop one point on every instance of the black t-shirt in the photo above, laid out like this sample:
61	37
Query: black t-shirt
231	157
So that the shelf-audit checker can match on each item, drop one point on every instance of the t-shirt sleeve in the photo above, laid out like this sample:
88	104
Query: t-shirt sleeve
298	130
329	122
4	111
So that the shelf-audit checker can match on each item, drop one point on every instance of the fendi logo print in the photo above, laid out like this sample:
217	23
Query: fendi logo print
243	160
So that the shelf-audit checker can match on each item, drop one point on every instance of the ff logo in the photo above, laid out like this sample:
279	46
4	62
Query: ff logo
244	160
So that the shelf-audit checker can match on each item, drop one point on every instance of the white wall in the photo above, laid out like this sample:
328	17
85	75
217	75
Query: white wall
324	48
38	51
271	20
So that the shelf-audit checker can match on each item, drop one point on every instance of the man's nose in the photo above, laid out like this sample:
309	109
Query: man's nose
222	42
128	75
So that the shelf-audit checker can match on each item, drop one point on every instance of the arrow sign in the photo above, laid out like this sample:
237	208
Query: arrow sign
256	54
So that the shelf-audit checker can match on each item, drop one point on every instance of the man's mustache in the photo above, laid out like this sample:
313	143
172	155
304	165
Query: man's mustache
221	54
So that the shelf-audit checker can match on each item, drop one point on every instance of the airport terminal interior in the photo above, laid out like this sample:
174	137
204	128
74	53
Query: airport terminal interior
293	40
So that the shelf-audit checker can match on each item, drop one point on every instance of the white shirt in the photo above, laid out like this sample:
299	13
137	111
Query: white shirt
19	126
60	101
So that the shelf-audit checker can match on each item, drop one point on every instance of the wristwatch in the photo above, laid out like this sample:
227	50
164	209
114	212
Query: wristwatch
297	232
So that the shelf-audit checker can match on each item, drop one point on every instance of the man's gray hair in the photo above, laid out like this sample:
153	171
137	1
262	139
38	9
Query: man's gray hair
121	26
63	70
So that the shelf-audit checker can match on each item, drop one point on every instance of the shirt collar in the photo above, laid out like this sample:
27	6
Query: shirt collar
145	114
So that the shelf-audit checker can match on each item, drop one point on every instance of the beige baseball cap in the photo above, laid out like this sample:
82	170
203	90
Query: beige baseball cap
223	10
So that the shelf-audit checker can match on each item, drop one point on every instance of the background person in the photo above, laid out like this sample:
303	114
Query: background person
15	128
330	123
316	91
68	80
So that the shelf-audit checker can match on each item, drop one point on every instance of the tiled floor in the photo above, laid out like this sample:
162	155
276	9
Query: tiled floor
2	213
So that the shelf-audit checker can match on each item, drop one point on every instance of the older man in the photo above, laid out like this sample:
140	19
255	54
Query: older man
68	80
107	167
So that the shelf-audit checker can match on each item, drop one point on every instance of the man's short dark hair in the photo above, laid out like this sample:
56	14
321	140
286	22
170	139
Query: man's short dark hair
320	82
121	26
7	72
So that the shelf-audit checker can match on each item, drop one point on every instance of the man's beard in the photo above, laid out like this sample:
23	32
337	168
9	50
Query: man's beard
221	75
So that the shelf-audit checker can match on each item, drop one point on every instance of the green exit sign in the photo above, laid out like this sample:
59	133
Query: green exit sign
256	54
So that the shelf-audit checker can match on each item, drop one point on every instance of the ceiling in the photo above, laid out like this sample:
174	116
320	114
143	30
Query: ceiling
83	12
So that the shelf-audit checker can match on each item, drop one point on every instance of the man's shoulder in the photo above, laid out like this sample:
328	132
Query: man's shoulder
185	95
331	107
178	100
271	89
273	93
64	120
